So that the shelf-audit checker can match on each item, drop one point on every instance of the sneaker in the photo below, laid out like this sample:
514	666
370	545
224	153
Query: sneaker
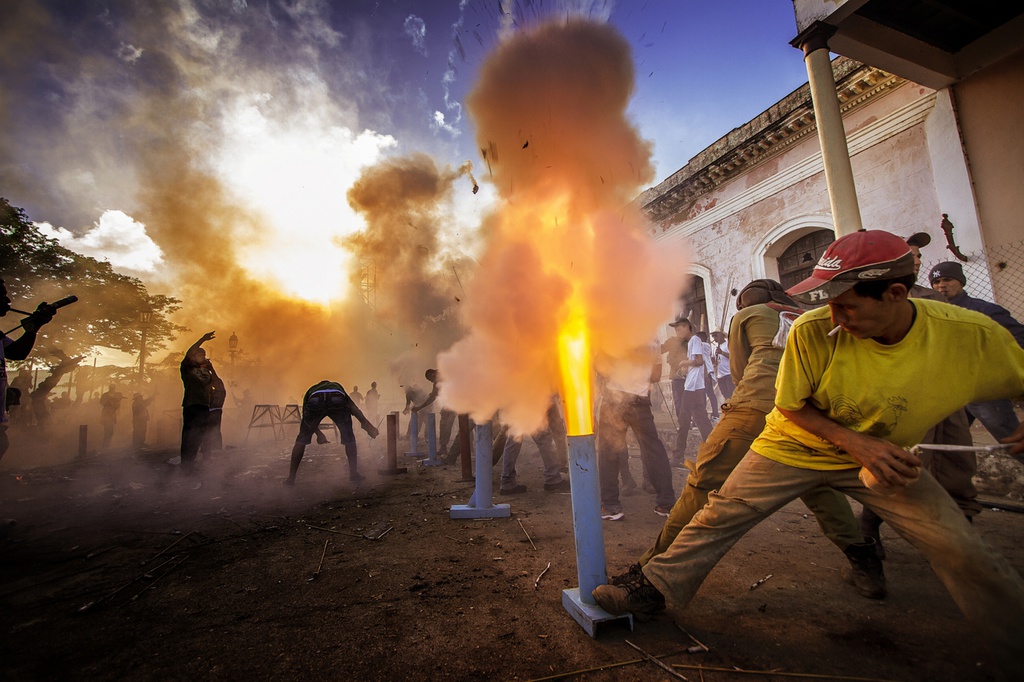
514	490
631	575
562	486
356	477
661	511
611	514
639	597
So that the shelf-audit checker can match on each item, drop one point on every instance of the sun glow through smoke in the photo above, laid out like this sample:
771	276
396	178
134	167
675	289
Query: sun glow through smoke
293	176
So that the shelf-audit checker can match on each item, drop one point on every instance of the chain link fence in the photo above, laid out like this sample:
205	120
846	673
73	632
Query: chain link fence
995	274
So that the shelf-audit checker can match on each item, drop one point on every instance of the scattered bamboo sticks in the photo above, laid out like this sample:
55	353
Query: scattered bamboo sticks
536	583
658	663
527	534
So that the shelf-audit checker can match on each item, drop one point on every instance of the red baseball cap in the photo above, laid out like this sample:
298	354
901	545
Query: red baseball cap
863	256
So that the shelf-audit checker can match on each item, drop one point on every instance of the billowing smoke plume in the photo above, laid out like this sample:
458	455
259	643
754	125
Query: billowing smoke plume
409	247
551	126
227	130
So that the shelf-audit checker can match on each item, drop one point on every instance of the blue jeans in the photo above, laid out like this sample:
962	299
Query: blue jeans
545	443
997	416
988	590
692	410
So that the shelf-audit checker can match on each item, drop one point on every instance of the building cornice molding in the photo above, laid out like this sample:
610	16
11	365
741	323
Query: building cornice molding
775	130
896	122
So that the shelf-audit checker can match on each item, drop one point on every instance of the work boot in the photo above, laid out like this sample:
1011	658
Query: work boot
865	570
632	574
870	523
562	486
638	597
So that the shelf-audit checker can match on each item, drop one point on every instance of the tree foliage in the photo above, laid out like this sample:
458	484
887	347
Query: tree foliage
109	310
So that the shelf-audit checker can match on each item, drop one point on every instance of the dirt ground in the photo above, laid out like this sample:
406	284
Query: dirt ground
117	569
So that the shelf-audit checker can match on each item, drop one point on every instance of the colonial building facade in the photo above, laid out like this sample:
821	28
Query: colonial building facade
755	203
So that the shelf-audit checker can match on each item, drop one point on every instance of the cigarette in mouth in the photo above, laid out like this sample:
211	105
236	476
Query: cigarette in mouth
836	330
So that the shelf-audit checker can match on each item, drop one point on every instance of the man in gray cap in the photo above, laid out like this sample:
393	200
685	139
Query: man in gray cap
997	416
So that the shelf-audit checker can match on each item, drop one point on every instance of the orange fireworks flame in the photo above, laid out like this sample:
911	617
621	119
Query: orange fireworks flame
567	272
575	363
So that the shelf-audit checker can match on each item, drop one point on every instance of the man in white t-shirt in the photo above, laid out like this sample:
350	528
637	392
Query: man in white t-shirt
709	373
723	372
694	407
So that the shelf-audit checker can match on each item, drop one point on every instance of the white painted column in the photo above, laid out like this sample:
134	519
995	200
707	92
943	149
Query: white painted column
842	192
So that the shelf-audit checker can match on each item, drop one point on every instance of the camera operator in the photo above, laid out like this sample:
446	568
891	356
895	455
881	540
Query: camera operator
17	350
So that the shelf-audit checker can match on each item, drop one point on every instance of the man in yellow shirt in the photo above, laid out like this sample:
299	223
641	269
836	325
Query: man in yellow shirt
850	396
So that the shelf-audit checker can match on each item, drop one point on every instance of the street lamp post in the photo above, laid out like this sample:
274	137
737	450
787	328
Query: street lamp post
232	349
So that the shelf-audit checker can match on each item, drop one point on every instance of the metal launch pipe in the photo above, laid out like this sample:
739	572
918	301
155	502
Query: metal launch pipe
480	505
392	454
414	432
591	567
431	460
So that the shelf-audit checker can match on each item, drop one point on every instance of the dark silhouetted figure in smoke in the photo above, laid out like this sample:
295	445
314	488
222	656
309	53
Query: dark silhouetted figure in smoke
214	441
17	350
328	399
197	378
373	402
357	397
140	420
110	405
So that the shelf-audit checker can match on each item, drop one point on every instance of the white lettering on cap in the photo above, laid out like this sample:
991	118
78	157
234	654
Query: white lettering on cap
817	295
833	263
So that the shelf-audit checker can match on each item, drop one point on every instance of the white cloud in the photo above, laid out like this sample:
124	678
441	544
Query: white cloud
416	29
128	53
116	237
439	123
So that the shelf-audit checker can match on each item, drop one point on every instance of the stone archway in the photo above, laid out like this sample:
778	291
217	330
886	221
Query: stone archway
766	252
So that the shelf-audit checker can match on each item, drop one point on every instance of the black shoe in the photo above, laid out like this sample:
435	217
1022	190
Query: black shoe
865	570
639	597
631	575
356	477
562	486
514	490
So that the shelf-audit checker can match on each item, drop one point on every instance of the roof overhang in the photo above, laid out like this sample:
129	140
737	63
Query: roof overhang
932	42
